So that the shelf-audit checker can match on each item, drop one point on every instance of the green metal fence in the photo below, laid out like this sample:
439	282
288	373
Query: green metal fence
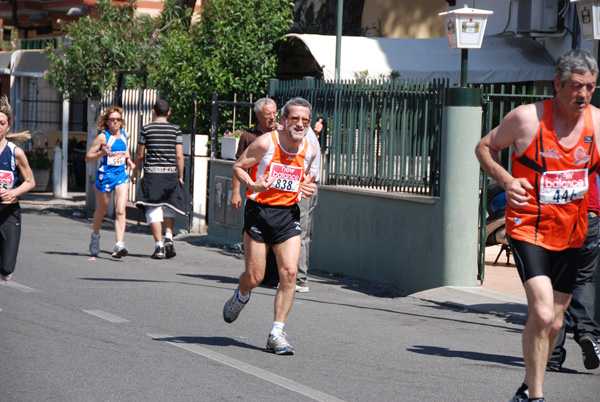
497	101
380	135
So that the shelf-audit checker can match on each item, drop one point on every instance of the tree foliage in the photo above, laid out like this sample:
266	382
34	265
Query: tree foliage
308	19
229	50
98	48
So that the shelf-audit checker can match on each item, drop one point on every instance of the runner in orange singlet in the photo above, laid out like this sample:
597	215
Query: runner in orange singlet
555	152
280	164
558	219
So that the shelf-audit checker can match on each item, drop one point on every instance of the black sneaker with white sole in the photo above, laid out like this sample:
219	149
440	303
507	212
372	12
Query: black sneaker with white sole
169	248
159	253
589	350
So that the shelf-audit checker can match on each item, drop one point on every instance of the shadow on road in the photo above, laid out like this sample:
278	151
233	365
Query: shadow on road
209	341
214	278
462	354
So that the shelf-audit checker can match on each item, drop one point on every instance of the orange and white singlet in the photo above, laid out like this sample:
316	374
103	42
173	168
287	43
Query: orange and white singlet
556	215
288	170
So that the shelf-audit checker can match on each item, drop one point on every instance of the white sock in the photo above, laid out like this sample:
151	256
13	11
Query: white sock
120	244
277	328
159	244
168	235
242	298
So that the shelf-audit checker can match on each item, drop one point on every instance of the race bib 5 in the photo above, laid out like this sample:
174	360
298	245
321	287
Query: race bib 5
7	179
116	158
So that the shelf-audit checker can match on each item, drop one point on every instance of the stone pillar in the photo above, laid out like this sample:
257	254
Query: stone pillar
459	191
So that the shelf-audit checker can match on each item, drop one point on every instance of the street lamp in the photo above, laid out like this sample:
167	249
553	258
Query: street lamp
465	28
589	18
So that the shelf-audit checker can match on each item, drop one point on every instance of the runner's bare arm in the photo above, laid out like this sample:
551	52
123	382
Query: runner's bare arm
308	186
98	149
251	157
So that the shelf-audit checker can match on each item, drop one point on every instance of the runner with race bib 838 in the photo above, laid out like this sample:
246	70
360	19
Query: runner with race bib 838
279	177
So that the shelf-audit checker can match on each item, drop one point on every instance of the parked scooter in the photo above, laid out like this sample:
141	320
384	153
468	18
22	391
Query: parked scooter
495	231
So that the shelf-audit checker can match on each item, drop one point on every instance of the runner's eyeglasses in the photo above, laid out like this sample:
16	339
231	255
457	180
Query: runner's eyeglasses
296	119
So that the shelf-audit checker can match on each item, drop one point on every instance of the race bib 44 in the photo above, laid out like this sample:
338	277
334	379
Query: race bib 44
287	178
564	186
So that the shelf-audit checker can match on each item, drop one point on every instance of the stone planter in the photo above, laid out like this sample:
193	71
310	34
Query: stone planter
43	180
229	147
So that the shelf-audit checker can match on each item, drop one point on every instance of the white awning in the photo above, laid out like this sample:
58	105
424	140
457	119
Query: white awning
501	59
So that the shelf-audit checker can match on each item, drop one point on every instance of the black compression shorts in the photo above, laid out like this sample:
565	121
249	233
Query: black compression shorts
559	266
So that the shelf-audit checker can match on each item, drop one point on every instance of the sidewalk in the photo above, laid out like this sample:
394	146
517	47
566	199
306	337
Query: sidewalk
74	199
501	294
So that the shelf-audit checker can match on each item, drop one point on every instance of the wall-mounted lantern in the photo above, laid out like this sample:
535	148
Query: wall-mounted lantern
465	28
588	12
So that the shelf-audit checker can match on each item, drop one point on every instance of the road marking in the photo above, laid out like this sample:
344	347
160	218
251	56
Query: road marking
22	288
106	316
255	371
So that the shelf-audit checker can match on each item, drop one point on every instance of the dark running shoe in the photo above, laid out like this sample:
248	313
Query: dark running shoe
169	248
589	349
159	253
522	394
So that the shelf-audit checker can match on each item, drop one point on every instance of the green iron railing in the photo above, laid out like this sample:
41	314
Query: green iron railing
380	135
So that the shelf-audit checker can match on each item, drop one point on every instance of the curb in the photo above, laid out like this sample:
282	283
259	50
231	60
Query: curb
478	299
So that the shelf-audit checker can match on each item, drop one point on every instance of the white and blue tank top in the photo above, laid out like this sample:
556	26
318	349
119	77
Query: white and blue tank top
9	174
114	162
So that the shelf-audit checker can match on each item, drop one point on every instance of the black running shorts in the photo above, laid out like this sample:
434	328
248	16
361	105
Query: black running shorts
559	266
271	224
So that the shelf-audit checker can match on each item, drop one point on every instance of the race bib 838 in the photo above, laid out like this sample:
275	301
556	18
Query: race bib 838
287	178
564	186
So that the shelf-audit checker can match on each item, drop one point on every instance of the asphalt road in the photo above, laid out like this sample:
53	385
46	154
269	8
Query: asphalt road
74	328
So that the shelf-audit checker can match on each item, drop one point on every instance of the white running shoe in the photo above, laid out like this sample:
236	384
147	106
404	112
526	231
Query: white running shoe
120	251
301	289
279	345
